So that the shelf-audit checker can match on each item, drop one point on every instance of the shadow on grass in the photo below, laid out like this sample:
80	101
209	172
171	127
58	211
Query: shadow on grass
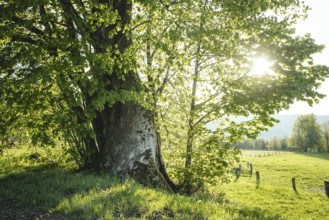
46	189
323	156
100	196
88	195
252	213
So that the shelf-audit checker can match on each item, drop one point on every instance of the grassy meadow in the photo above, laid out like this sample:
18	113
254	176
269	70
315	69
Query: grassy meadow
45	179
274	195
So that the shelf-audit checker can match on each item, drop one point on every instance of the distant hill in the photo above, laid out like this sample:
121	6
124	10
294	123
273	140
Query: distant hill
281	129
284	127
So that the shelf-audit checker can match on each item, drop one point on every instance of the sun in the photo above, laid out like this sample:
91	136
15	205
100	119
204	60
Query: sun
261	66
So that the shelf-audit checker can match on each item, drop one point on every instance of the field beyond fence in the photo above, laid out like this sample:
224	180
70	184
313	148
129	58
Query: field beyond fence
288	184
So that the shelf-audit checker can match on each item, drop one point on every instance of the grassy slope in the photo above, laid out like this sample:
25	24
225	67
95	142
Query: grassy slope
56	189
45	182
275	194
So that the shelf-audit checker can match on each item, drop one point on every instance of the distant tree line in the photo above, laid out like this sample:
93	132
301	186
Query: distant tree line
274	143
307	135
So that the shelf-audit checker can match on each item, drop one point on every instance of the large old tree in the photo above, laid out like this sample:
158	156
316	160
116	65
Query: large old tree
307	134
72	62
115	78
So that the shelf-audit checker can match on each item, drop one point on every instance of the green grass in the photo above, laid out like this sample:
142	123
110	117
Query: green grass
48	181
57	189
275	193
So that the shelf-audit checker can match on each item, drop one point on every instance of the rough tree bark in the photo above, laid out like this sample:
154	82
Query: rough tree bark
129	146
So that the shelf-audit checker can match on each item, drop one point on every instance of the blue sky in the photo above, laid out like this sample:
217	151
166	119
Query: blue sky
317	24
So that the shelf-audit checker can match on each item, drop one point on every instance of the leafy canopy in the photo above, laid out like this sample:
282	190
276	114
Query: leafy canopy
196	62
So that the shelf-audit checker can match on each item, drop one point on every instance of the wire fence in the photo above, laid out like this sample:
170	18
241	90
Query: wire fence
251	174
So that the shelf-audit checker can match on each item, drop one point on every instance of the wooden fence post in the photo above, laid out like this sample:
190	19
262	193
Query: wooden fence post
293	181
250	165
326	187
237	173
257	178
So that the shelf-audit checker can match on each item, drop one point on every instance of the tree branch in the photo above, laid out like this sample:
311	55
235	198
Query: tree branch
33	29
24	39
71	15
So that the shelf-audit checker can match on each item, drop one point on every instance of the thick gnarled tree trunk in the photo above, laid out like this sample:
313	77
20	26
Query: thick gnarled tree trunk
129	145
